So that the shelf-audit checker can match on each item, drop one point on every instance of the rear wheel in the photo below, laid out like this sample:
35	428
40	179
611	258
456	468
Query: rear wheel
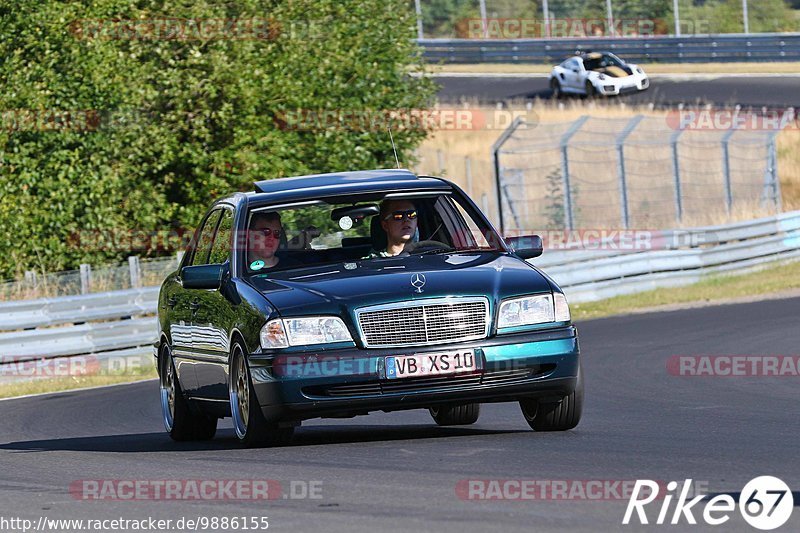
251	427
456	415
555	86
555	416
180	422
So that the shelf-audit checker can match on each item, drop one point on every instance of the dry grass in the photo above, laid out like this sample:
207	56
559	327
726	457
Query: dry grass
650	68
445	153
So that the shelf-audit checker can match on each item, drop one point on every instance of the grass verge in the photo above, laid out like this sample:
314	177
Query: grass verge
38	386
715	289
651	68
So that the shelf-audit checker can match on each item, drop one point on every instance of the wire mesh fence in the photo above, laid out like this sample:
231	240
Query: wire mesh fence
640	172
134	273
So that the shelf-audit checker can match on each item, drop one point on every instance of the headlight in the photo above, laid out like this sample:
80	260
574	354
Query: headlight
530	310
280	333
640	71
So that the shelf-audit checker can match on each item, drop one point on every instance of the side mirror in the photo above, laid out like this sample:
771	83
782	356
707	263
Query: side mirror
526	246
202	276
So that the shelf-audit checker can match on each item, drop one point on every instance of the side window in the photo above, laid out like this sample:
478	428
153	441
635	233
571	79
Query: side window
221	249
206	237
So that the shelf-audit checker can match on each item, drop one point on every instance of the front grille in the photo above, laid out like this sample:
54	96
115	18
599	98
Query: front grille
424	322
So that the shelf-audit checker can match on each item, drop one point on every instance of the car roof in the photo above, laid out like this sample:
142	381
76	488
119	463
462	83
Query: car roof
316	186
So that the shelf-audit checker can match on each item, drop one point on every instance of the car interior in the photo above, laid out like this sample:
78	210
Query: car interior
303	244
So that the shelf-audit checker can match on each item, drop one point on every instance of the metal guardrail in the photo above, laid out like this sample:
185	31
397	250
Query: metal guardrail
587	275
27	314
685	49
106	324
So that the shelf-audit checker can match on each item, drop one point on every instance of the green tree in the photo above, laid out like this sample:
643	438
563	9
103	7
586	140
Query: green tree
169	123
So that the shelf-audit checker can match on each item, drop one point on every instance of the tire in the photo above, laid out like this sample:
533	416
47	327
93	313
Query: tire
591	92
555	416
456	415
555	86
249	423
180	421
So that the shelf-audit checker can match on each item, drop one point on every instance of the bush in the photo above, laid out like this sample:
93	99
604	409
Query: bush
108	128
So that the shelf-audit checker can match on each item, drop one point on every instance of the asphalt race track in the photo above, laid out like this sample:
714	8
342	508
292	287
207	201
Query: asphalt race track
755	91
398	471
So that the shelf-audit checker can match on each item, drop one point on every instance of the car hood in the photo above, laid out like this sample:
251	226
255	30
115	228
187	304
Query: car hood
340	288
614	72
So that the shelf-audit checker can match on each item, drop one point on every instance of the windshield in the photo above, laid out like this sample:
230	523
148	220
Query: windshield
603	61
365	229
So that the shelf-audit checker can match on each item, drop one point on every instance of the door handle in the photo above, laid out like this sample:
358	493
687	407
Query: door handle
194	306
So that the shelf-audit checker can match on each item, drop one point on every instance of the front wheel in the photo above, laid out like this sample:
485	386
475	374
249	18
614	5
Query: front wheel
251	427
555	416
180	422
555	87
591	92
456	415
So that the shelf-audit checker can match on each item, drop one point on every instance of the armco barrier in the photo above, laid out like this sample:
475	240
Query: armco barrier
123	322
689	49
587	275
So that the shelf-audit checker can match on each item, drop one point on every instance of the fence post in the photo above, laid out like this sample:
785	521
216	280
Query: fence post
468	172
440	161
726	169
498	174
30	278
776	182
568	218
86	278
676	174
136	271
623	185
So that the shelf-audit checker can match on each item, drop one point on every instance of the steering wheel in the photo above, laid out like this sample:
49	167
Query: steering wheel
424	246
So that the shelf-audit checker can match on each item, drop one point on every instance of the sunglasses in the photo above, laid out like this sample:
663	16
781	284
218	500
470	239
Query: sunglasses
267	232
397	216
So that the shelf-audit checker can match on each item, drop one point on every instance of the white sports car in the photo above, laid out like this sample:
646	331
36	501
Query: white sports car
593	73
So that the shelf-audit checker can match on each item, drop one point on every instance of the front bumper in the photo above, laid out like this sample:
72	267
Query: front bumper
614	87
352	381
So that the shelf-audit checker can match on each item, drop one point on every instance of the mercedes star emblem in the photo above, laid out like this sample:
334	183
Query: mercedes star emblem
418	281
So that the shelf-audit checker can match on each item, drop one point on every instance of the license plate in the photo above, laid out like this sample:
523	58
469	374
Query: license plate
430	364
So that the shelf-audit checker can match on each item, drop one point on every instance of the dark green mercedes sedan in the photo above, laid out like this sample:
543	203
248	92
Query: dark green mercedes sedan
335	295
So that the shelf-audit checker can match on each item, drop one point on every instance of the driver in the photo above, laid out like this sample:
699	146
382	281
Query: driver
399	221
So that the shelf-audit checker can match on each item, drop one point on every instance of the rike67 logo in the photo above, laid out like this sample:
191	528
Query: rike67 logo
765	503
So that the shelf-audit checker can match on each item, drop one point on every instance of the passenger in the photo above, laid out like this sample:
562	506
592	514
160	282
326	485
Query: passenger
398	219
266	233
